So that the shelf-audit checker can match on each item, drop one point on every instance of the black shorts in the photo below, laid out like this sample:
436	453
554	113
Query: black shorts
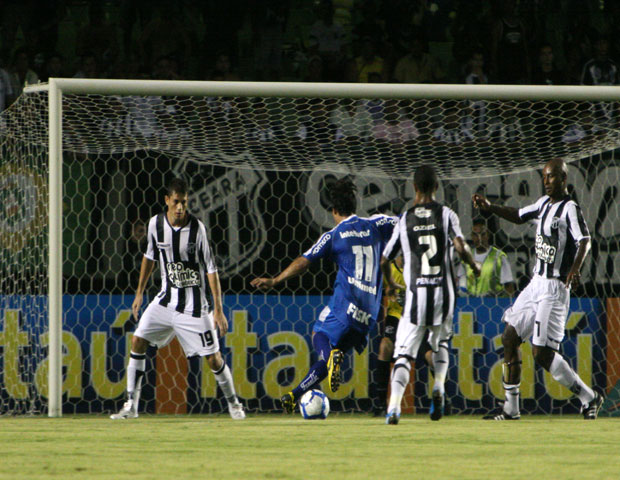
387	328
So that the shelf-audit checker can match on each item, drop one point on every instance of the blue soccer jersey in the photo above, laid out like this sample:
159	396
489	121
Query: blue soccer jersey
355	245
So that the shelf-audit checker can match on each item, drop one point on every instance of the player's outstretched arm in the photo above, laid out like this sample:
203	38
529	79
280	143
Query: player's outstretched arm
297	267
573	277
219	319
465	253
145	272
508	213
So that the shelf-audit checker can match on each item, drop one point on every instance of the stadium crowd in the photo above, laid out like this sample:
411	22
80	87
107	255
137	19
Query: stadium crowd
409	41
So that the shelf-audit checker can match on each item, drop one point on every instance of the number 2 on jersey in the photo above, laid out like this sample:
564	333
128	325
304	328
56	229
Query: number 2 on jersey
363	262
426	267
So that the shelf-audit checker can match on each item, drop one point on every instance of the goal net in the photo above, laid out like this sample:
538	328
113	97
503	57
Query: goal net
259	159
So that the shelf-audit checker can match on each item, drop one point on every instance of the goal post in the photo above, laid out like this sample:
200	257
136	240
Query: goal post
541	109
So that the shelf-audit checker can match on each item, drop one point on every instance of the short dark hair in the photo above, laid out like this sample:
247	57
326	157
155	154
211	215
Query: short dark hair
342	196
425	179
176	185
479	221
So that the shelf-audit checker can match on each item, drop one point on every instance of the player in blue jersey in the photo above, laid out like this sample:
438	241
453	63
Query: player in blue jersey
355	245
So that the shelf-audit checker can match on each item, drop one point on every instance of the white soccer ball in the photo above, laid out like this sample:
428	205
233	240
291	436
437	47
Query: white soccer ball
313	405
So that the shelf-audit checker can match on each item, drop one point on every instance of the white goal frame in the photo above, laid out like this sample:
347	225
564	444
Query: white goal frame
57	87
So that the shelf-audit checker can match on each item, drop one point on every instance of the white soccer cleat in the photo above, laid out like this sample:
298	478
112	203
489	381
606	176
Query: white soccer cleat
126	412
236	411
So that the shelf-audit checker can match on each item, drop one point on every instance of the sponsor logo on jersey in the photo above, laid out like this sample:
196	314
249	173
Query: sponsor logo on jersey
428	281
385	220
360	285
422	212
358	314
419	228
161	245
181	276
355	233
321	244
544	251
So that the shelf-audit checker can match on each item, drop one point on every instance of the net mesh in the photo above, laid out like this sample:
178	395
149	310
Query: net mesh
258	170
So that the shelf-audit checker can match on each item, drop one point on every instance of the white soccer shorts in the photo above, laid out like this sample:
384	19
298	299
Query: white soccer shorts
540	312
158	325
409	337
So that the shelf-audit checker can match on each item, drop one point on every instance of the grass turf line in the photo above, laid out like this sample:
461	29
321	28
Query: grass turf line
287	447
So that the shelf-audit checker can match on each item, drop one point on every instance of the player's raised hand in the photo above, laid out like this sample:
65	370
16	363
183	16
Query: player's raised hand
480	201
263	283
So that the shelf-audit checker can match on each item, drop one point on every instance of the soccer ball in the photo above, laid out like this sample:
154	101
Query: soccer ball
314	404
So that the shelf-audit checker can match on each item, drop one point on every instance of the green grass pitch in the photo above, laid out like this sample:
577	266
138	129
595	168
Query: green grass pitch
288	447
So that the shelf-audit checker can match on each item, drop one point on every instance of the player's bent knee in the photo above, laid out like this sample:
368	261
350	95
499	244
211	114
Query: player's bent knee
215	361
543	356
139	344
510	338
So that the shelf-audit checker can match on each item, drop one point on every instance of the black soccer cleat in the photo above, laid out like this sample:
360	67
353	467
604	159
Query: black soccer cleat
501	415
591	411
436	411
336	357
392	418
288	402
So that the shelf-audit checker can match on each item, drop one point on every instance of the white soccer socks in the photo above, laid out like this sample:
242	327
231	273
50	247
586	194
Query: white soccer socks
225	381
441	360
400	379
135	374
562	372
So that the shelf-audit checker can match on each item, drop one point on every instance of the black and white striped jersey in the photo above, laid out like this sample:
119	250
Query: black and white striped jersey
424	235
184	258
560	227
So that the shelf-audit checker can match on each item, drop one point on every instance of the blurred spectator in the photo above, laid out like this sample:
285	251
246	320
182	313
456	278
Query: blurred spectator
504	124
54	67
509	47
396	126
368	62
471	26
223	69
602	70
165	35
314	126
327	39
166	68
418	66
351	119
6	90
89	67
268	24
496	277
455	128
475	74
314	70
545	71
98	36
20	72
261	126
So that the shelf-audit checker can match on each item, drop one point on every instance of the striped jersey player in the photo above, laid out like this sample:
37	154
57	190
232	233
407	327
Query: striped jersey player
355	246
540	311
424	234
178	241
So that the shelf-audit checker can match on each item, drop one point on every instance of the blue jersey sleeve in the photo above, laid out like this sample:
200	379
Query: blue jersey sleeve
385	224
322	248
